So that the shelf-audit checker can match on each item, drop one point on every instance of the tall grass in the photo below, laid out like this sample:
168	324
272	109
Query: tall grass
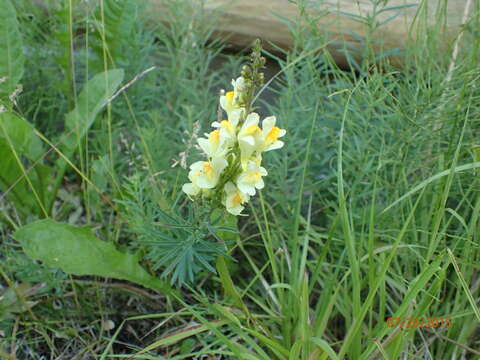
370	211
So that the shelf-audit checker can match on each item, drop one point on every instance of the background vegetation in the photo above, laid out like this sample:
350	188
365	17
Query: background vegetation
371	210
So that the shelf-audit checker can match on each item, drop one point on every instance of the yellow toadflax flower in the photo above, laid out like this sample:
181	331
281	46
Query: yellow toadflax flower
213	146
234	199
249	138
271	134
228	128
251	178
204	175
233	172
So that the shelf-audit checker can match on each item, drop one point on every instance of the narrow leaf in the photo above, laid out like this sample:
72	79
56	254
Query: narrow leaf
468	293
431	179
322	344
182	334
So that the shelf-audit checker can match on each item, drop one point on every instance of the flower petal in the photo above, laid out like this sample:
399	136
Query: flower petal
205	145
276	145
190	189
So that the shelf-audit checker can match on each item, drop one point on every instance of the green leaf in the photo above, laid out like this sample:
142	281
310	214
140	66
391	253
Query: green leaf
21	134
227	221
14	300
322	344
12	58
182	334
64	34
431	179
114	31
77	251
476	152
94	96
465	286
19	143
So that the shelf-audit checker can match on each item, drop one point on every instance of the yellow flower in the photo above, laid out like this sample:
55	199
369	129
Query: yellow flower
205	174
226	102
271	134
213	145
228	128
249	138
234	199
251	179
240	140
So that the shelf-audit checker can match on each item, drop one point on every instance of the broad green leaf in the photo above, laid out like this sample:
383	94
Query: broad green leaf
93	97
18	141
12	58
15	185
77	251
21	135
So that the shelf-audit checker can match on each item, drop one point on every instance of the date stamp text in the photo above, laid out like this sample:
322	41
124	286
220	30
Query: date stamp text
419	322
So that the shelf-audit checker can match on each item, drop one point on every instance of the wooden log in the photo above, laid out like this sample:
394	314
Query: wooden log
242	21
239	22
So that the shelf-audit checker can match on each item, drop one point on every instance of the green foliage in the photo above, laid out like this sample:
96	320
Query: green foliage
14	301
180	244
94	96
112	41
11	52
375	182
18	140
76	250
63	29
21	148
21	135
28	271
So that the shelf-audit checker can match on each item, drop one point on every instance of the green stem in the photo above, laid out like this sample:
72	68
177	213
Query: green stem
227	283
57	184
